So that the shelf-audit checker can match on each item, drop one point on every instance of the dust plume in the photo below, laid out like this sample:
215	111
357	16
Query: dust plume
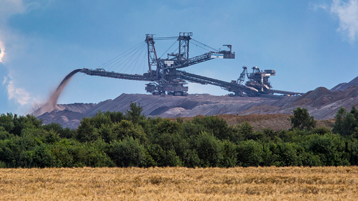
52	101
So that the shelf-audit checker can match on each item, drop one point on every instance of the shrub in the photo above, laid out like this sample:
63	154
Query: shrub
249	153
209	150
229	158
302	120
127	153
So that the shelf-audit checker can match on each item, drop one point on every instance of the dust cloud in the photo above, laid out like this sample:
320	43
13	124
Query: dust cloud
52	101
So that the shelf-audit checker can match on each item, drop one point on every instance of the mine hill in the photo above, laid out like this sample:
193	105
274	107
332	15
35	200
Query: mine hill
322	103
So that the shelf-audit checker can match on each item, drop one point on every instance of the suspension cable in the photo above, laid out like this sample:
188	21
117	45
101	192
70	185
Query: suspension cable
131	57
205	45
199	45
136	60
123	53
124	57
167	49
128	57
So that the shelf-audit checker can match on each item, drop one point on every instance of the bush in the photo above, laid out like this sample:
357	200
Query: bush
127	153
209	150
229	154
249	153
86	131
302	120
287	154
134	113
330	148
126	129
163	157
215	125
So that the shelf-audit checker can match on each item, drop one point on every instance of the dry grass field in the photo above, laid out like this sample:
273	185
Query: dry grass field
262	183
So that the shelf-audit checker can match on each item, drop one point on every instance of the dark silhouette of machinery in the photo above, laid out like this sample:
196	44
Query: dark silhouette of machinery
165	78
257	80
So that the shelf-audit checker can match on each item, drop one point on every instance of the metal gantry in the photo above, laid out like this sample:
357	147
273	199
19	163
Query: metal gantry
165	79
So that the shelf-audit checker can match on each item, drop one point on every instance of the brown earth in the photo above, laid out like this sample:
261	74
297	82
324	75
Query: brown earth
321	103
275	122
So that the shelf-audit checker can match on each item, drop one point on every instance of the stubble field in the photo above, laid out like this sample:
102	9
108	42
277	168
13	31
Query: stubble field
262	183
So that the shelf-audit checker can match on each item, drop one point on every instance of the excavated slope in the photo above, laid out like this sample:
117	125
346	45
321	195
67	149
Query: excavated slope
321	103
343	86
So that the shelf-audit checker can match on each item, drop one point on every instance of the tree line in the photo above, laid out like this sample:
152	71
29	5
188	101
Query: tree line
130	139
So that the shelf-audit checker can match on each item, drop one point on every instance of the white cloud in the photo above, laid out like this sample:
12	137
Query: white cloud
5	80
20	95
347	13
9	8
2	51
315	7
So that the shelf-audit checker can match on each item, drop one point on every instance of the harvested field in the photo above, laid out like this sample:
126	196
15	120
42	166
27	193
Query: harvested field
262	183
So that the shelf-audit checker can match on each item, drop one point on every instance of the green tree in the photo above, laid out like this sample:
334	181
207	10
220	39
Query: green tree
229	154
173	142
215	125
339	123
115	116
126	128
209	149
7	122
42	157
86	131
63	132
249	153
244	132
302	120
346	122
106	133
330	148
135	112
127	153
287	154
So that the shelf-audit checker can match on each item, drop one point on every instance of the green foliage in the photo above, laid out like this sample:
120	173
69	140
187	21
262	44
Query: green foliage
287	154
63	132
135	112
209	149
330	148
302	120
215	125
127	153
113	139
346	122
7	122
4	134
166	126
321	130
229	152
115	116
128	129
249	153
86	131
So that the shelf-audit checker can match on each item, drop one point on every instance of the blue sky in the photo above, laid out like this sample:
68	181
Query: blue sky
309	43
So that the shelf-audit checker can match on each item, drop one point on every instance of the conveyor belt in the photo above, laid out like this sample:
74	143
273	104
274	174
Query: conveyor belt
103	73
